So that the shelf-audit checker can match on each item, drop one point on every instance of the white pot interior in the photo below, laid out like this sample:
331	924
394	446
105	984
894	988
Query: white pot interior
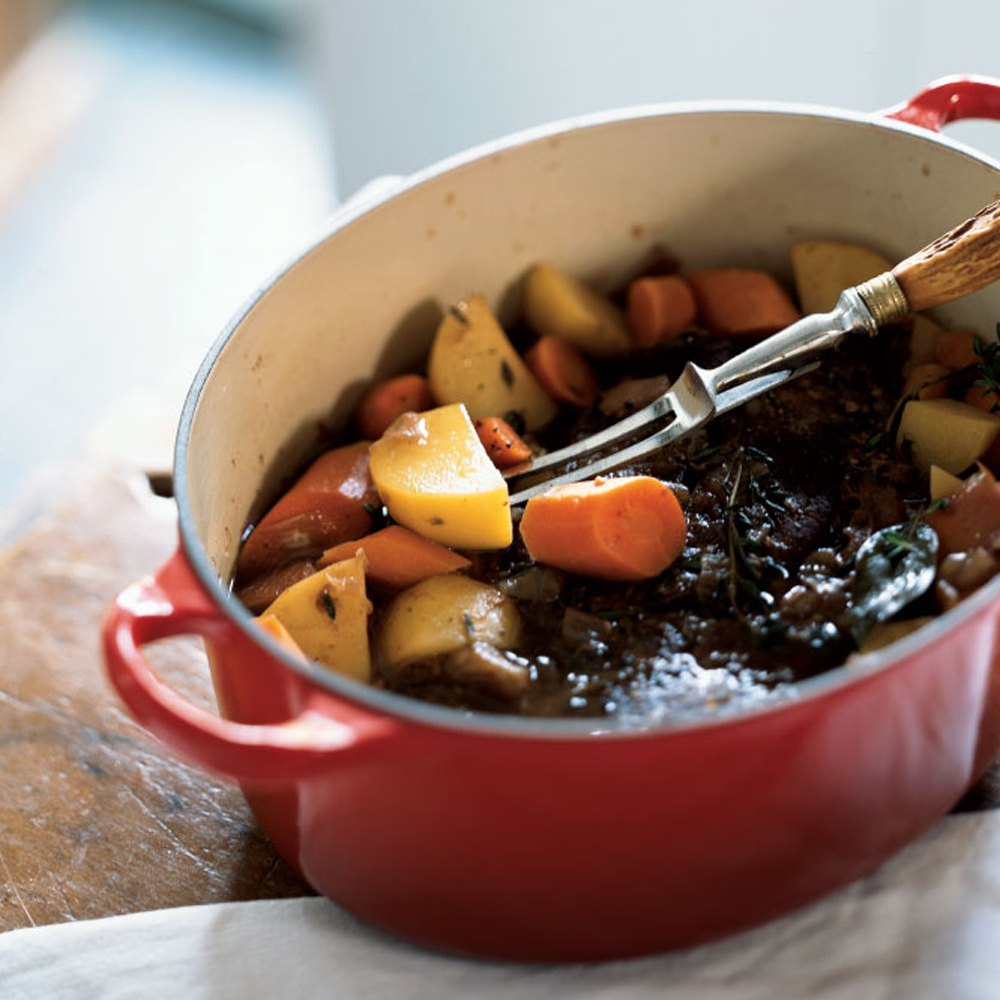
713	186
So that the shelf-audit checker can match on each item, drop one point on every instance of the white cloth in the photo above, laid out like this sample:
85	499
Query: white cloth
926	925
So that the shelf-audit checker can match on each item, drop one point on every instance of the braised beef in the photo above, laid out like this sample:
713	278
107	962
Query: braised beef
778	496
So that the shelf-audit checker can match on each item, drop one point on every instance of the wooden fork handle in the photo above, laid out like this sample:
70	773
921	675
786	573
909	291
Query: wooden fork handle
956	264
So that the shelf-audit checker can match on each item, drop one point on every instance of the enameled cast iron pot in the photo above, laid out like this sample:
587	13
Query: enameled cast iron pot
564	839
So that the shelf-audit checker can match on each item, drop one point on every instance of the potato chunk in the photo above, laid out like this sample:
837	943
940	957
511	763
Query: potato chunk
942	483
433	473
327	616
824	268
443	613
473	362
557	305
946	433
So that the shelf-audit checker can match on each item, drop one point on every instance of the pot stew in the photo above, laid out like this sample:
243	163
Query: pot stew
825	519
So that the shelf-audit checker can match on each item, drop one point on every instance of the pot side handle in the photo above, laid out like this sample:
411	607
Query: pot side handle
949	99
172	603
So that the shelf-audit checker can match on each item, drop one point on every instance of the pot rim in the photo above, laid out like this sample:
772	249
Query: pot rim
413	710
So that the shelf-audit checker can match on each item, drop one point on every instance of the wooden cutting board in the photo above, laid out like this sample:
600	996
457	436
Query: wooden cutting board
96	818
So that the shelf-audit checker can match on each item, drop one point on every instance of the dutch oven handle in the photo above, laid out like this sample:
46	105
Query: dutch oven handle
173	603
950	99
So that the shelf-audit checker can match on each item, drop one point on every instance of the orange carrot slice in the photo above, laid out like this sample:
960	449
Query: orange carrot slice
563	371
982	398
332	502
630	528
928	380
274	628
956	349
741	302
659	308
383	402
502	442
398	557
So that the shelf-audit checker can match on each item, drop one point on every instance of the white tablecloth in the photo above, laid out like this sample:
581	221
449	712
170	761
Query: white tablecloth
926	925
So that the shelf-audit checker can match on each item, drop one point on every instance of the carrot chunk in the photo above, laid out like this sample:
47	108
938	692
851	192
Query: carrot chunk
956	349
630	528
659	308
740	302
276	629
563	371
971	518
502	443
398	557
385	401
332	502
929	381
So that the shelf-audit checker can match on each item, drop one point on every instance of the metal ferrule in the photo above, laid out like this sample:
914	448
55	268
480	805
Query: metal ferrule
884	298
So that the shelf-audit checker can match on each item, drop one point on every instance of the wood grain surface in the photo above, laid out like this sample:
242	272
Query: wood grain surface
96	818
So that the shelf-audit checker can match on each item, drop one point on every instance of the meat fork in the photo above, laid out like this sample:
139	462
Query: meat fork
958	263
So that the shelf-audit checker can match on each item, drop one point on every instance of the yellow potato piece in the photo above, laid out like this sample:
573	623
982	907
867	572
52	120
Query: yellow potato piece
886	633
942	483
560	306
924	339
433	473
327	616
473	362
946	433
824	268
443	613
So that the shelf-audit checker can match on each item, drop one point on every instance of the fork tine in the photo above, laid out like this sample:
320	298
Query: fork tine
686	419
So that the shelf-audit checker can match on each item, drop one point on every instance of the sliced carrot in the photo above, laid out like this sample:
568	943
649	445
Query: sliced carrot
502	443
398	557
928	381
565	374
956	349
971	518
332	502
982	398
630	528
385	401
741	302
277	631
261	591
659	308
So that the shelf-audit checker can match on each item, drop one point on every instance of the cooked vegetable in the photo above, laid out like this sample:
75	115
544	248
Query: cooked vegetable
327	616
982	398
928	381
436	479
263	589
942	483
956	349
824	268
332	502
971	517
886	633
925	337
386	400
473	362
502	443
273	626
630	528
397	557
740	302
659	307
563	371
894	567
440	614
557	305
632	394
946	433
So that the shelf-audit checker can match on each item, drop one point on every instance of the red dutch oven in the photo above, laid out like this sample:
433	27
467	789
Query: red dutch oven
564	839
